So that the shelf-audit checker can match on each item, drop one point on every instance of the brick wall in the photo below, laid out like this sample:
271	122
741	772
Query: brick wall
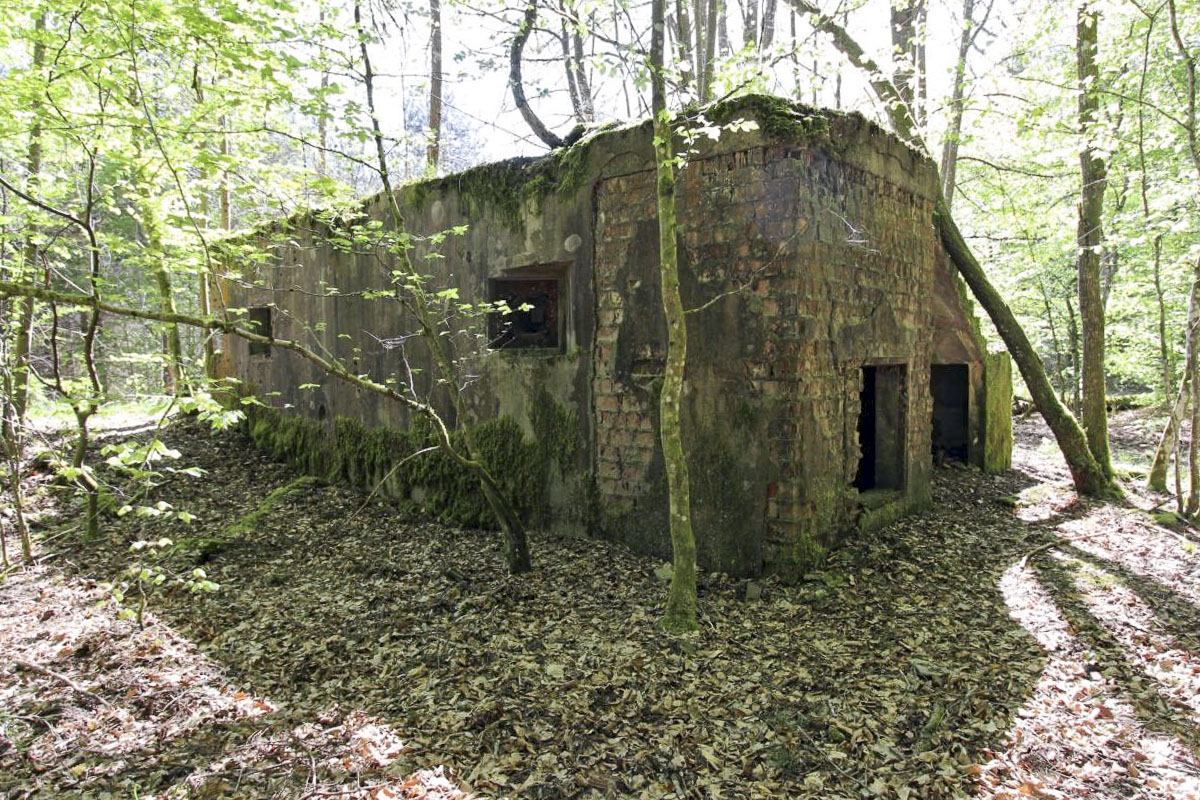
827	267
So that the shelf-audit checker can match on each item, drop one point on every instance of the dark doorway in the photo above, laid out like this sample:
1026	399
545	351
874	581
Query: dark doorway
882	404
949	385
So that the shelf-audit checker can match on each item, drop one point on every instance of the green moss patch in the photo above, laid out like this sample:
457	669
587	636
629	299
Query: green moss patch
390	462
250	522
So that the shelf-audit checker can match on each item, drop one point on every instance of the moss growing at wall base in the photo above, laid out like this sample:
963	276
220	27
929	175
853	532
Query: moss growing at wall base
383	457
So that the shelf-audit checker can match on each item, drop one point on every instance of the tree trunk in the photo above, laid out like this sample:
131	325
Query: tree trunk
1073	343
687	53
713	23
515	83
433	151
1089	241
1193	499
516	550
157	260
957	94
770	8
1058	354
904	35
1157	480
582	82
680	612
23	318
750	34
1087	474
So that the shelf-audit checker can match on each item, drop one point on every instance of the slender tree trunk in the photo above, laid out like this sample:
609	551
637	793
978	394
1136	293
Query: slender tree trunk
680	612
569	68
719	12
1193	499
904	36
1073	343
582	82
23	318
750	34
515	546
957	94
1054	343
770	9
687	54
433	152
714	30
1157	480
1094	176
16	403
1164	347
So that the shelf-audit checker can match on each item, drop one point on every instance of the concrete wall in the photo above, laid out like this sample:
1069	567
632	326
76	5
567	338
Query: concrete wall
808	250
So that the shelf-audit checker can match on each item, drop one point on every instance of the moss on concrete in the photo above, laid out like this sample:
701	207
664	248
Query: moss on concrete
506	186
383	458
779	119
557	430
997	412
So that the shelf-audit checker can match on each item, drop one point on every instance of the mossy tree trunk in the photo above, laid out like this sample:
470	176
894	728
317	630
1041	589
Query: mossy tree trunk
680	613
1094	179
15	404
1088	475
156	261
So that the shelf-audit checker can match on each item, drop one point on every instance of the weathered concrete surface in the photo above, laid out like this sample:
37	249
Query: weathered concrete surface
807	253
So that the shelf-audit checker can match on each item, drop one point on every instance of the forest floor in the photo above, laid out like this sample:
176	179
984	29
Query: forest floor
1013	641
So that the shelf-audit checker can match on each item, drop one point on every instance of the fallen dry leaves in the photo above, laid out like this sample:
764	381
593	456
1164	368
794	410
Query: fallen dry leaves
921	662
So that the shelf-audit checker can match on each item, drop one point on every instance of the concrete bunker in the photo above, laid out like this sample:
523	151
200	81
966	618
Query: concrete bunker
832	347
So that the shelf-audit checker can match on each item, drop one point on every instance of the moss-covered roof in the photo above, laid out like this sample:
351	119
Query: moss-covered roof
505	186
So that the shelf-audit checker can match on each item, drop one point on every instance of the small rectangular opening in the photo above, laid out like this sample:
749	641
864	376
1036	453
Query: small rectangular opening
881	423
533	319
260	323
950	388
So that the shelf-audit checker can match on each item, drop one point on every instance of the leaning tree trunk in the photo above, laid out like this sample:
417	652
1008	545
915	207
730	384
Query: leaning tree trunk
681	600
1094	176
1088	475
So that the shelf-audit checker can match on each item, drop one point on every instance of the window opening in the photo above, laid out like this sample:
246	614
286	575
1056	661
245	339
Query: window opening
881	419
260	323
950	388
533	319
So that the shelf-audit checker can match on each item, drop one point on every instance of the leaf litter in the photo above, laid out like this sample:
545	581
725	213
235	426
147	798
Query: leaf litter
354	653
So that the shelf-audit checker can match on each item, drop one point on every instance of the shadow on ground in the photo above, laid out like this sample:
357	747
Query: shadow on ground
887	673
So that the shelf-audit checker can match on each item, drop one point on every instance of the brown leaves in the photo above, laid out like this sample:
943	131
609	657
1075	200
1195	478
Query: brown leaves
896	671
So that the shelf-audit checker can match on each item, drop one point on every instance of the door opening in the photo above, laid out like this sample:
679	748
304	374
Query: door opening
950	388
881	422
